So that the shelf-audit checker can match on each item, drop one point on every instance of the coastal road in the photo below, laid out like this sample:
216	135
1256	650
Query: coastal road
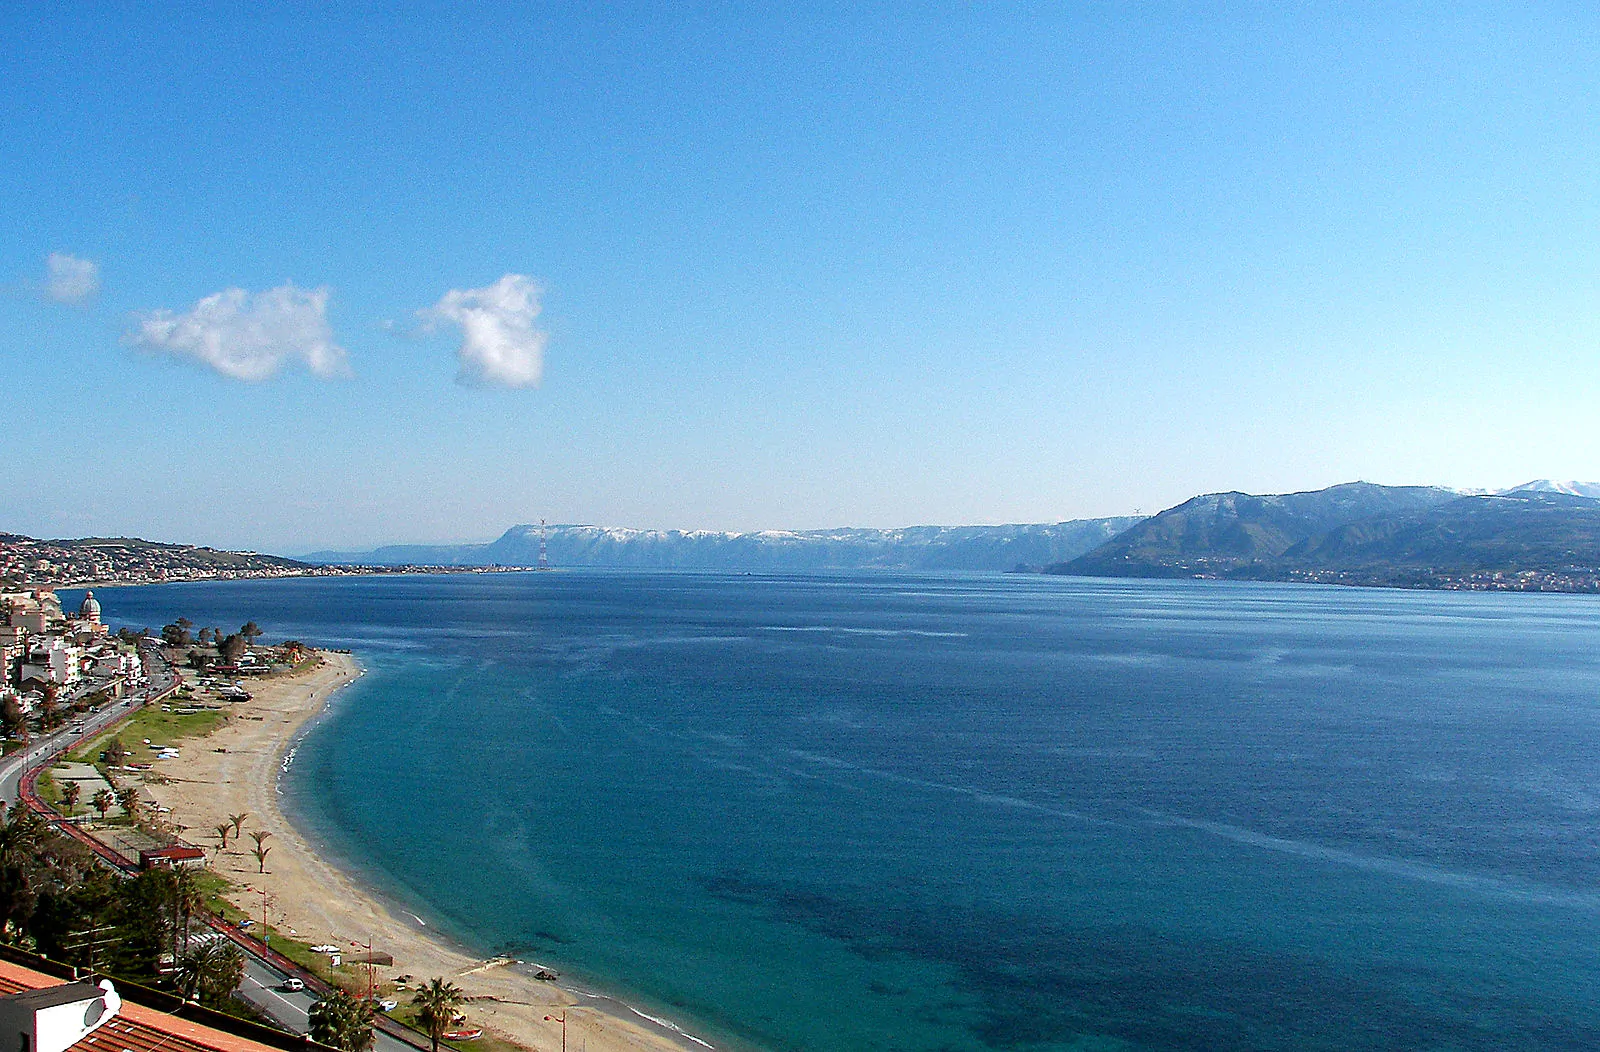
13	766
263	984
263	987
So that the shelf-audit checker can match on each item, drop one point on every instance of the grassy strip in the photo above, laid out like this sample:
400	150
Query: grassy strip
344	977
48	790
162	728
215	889
351	978
406	1015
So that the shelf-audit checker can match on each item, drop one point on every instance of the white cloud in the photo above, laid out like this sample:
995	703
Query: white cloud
249	335
499	344
72	280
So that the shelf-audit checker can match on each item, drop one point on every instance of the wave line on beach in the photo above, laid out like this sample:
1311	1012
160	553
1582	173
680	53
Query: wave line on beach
676	1029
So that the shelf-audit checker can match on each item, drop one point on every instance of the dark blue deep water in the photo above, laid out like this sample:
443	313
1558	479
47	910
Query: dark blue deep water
965	813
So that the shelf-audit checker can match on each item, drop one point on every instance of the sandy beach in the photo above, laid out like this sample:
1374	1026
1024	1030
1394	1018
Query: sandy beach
236	769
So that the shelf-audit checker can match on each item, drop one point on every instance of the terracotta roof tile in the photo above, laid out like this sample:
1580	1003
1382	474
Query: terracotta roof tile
135	1028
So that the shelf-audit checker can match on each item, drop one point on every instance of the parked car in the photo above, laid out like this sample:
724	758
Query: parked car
293	985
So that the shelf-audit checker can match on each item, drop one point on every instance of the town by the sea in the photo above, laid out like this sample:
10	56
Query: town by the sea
921	812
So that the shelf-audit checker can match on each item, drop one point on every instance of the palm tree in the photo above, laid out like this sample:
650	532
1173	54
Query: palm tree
222	834
342	1021
238	822
187	900
258	835
436	1005
22	836
261	856
30	863
129	799
49	710
102	802
11	718
69	795
211	972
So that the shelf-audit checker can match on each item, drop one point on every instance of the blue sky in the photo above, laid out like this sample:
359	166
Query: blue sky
751	267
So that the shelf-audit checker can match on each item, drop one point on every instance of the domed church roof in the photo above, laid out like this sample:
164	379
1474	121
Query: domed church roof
89	610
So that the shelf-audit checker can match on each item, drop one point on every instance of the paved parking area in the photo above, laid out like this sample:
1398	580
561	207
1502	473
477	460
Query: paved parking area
90	781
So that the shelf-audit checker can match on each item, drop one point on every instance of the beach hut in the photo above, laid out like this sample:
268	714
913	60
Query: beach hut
172	856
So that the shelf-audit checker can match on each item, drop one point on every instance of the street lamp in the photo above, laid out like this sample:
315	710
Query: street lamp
563	1021
266	936
372	969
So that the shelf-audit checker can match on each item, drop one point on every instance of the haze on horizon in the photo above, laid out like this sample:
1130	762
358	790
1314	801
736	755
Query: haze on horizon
286	280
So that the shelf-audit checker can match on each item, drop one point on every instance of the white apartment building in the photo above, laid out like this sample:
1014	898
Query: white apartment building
51	660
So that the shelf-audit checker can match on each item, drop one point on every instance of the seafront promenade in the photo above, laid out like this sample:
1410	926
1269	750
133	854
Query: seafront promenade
235	770
265	972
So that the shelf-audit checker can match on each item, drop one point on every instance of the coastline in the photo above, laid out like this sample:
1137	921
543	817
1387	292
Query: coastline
237	768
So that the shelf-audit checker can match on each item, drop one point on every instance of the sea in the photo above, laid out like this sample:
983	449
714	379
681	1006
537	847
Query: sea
883	811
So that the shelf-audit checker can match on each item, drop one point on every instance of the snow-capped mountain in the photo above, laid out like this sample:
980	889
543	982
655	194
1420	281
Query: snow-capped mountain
911	548
1575	489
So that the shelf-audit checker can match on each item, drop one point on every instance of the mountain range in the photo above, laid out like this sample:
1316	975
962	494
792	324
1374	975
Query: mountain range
1543	535
911	548
1540	535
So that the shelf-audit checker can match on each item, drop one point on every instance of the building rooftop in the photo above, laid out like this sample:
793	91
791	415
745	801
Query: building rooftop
51	996
135	1028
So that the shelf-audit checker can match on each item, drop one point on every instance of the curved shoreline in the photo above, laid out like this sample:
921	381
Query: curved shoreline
239	768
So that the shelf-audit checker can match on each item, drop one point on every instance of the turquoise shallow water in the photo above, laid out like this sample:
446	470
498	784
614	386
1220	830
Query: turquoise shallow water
927	813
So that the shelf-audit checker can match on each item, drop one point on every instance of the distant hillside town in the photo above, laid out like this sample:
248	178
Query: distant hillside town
26	562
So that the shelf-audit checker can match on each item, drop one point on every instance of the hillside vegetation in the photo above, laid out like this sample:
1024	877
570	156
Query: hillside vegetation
1360	533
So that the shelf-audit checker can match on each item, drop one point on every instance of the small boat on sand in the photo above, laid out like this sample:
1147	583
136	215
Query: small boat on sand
471	1033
